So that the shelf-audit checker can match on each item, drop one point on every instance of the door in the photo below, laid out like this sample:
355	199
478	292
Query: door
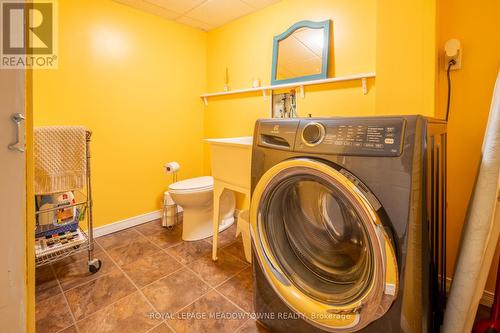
322	246
12	202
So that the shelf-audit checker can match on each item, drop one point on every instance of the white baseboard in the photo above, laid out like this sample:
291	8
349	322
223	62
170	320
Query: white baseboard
486	299
127	223
132	222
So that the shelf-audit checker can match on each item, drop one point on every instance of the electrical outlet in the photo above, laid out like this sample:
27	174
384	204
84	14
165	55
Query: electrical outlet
453	51
458	61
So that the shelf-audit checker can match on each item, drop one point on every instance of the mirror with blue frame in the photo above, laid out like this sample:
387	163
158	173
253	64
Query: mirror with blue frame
301	53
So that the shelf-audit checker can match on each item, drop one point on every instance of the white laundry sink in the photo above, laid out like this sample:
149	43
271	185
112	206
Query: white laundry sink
231	164
231	159
239	141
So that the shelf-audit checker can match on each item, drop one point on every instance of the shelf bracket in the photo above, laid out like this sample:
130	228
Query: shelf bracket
205	100
302	92
364	86
264	94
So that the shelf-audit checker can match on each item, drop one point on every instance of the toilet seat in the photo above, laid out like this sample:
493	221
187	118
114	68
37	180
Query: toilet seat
192	185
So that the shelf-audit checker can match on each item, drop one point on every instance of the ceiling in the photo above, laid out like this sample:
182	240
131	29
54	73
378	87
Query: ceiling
201	14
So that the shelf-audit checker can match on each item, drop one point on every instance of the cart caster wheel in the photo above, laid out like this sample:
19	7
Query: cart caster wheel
95	266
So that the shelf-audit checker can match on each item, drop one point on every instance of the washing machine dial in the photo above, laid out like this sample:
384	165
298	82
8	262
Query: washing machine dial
313	134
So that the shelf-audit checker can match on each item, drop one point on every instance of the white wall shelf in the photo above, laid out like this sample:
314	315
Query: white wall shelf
265	89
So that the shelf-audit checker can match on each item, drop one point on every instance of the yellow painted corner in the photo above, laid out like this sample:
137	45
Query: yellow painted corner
133	79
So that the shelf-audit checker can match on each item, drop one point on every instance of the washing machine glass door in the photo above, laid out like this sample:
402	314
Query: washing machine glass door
322	246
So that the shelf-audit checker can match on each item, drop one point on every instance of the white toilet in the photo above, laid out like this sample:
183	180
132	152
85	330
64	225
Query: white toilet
195	196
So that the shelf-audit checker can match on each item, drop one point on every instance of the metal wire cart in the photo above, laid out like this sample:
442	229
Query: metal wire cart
55	242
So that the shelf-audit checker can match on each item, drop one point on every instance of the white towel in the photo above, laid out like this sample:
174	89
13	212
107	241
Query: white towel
60	158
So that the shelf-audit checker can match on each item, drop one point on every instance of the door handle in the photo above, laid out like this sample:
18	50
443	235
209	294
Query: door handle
17	118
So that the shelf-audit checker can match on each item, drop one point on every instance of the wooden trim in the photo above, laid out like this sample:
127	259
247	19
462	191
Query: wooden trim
30	206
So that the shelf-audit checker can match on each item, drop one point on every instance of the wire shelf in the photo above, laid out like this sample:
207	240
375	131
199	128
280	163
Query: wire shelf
50	255
51	249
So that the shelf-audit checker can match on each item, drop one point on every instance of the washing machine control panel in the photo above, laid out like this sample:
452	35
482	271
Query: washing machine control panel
359	136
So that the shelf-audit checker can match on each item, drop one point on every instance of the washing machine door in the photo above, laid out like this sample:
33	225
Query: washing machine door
322	246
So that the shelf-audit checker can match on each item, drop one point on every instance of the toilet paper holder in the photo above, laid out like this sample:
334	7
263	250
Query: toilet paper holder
172	168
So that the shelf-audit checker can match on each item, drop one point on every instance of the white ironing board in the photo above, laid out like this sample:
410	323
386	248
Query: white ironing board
480	233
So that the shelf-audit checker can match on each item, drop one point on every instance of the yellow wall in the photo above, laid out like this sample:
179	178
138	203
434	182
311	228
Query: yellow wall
133	79
245	46
387	36
476	25
406	57
396	39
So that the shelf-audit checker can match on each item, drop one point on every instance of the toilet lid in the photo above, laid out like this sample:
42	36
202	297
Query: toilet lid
199	183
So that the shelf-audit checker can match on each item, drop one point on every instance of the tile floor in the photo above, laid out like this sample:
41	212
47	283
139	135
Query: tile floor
150	281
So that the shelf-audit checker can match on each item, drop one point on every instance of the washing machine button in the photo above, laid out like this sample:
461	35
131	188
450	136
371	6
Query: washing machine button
313	134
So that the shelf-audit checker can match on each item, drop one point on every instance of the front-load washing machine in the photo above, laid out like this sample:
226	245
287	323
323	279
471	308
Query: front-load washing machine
348	224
